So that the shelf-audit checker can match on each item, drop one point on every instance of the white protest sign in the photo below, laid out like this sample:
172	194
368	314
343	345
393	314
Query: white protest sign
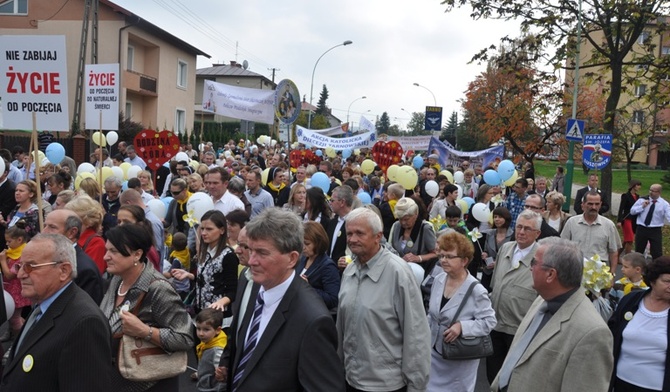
239	102
33	78
415	143
102	95
315	139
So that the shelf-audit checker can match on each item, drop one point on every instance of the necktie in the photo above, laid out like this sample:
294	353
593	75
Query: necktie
251	340
37	312
516	352
650	213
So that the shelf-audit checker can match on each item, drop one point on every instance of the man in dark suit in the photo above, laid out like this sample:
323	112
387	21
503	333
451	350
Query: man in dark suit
7	200
68	223
65	343
286	339
593	184
340	202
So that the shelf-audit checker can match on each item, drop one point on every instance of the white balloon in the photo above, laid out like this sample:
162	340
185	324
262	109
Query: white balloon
86	168
432	188
181	156
158	208
9	304
118	173
133	171
199	203
459	177
273	143
112	138
481	212
2	165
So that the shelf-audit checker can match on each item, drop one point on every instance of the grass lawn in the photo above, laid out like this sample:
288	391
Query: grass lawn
619	184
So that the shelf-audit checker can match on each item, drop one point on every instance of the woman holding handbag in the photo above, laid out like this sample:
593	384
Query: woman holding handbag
143	309
459	308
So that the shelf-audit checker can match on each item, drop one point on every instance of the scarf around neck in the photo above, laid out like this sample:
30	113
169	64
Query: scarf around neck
15	253
219	340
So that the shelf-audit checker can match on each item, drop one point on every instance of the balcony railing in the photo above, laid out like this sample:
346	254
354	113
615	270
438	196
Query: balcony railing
140	83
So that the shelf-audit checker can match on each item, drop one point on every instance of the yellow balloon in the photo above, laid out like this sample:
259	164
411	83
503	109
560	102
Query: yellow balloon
368	166
357	151
40	157
80	177
330	152
392	173
194	164
99	139
510	181
463	205
264	176
407	177
449	176
106	173
125	166
491	219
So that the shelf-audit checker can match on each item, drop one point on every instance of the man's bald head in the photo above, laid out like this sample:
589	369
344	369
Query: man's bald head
65	222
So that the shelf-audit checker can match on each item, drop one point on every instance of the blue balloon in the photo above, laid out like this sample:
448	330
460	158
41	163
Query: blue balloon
55	153
492	177
365	198
167	200
346	153
469	200
322	181
417	162
124	186
319	153
505	170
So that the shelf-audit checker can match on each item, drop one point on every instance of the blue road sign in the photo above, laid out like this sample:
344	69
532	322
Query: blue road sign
574	132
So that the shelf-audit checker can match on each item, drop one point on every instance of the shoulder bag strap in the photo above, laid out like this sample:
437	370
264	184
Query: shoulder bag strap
89	240
465	298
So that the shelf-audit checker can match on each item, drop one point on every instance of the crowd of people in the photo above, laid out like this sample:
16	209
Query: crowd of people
360	285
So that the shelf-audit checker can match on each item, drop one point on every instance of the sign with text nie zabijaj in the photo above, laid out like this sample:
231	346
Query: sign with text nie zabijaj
33	79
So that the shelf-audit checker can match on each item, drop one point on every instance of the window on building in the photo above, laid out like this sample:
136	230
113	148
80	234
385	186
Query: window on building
131	58
638	116
129	110
14	7
640	90
180	121
643	37
182	74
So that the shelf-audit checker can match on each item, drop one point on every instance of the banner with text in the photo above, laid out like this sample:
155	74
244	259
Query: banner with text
433	118
366	124
102	96
239	102
416	143
450	156
334	131
312	138
33	78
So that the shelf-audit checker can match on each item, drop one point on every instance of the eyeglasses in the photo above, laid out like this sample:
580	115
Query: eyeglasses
524	228
528	207
29	267
450	257
534	263
175	193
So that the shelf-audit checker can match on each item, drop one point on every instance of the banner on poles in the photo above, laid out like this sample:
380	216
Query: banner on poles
102	96
315	139
34	79
239	102
448	155
416	143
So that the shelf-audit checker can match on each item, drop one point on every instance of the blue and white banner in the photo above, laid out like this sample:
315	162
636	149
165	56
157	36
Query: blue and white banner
597	152
334	131
315	139
433	118
249	104
450	156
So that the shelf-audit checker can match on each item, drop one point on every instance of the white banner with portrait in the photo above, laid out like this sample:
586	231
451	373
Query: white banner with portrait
315	139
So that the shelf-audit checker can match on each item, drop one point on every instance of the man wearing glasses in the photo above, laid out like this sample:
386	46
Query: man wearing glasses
538	204
512	284
652	213
65	343
595	234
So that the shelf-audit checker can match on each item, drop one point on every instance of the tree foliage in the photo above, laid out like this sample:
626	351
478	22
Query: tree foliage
450	129
383	123
611	28
469	138
417	123
321	107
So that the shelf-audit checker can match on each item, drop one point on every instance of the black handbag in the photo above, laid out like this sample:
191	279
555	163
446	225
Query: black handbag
466	348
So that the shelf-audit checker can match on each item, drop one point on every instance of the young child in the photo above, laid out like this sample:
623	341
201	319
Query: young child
632	266
213	341
16	237
180	258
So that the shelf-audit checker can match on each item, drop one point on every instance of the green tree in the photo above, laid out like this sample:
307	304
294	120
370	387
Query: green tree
417	123
383	123
450	129
321	107
610	27
469	137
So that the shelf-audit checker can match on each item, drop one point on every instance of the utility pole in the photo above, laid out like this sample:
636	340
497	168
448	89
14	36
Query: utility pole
274	70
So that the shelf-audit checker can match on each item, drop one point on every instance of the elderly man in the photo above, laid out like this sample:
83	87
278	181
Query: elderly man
133	159
111	202
286	339
651	213
69	224
512	285
540	187
216	182
562	344
594	234
381	324
65	343
538	204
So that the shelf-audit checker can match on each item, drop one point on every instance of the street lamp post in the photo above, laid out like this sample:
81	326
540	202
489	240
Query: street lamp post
431	93
311	87
352	102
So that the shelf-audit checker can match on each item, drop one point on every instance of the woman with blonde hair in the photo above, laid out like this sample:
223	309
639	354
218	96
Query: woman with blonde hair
195	183
297	199
554	215
145	180
91	214
412	237
90	187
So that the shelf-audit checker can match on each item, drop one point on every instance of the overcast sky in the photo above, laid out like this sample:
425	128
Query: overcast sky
395	44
